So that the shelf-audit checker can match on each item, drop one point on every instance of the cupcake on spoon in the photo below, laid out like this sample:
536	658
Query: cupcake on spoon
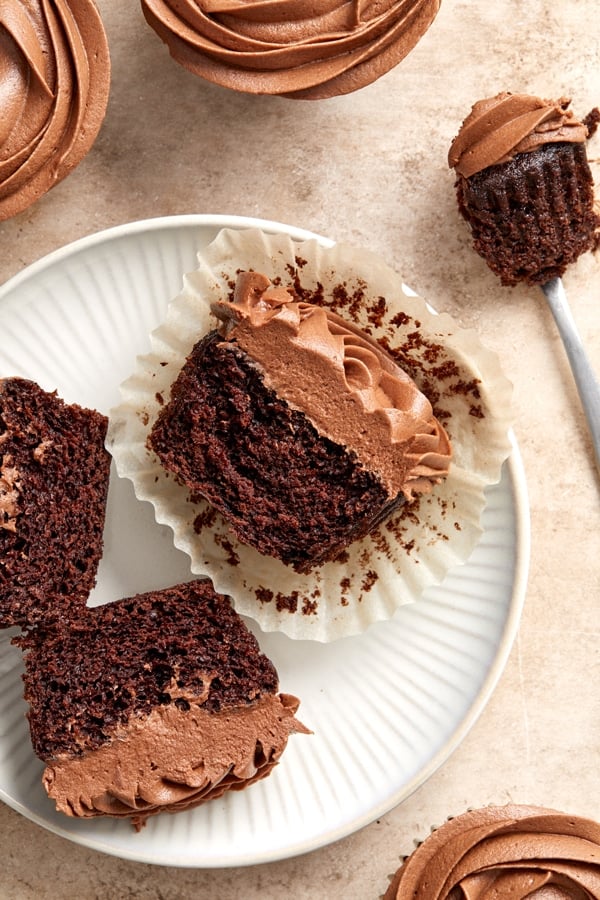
525	187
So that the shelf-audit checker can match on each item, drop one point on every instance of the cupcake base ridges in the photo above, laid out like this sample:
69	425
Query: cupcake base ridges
532	216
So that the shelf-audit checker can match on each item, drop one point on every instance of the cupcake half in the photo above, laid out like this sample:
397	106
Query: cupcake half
153	703
54	472
457	386
299	428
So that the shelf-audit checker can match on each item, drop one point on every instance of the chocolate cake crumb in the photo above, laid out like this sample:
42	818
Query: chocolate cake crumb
591	121
283	488
370	578
287	602
309	607
232	557
85	676
264	595
50	549
205	519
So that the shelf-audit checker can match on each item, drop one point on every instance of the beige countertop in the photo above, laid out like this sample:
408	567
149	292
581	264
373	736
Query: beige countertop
370	168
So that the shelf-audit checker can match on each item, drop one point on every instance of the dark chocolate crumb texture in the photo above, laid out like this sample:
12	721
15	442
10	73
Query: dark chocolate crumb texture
297	427
153	703
147	651
54	473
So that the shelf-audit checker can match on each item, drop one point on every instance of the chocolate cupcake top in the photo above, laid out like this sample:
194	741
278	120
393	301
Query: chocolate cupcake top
291	47
499	127
508	851
55	85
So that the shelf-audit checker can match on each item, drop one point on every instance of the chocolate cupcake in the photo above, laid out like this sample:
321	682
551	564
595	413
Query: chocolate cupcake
283	364
287	47
57	69
153	703
506	851
297	427
524	185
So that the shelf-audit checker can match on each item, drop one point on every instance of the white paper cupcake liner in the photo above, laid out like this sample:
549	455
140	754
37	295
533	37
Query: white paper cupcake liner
413	549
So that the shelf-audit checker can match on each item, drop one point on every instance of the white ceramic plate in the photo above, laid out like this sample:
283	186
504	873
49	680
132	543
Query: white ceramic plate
386	707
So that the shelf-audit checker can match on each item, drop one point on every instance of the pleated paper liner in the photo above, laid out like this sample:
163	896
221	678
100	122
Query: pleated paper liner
418	545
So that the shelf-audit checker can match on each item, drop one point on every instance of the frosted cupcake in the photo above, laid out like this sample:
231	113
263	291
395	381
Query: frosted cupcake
297	427
305	51
524	185
57	69
506	851
457	396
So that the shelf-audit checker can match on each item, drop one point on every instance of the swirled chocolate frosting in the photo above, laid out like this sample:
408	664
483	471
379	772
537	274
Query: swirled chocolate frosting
341	379
302	50
514	852
499	127
171	760
54	85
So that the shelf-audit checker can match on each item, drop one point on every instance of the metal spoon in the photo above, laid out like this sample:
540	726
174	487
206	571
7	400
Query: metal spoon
585	378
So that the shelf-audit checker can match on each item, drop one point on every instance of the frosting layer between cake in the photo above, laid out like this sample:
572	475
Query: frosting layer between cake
343	381
174	758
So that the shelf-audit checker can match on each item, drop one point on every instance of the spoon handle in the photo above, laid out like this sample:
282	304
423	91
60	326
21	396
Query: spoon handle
585	378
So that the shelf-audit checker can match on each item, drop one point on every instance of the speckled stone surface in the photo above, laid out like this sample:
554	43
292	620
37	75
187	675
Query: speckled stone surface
370	168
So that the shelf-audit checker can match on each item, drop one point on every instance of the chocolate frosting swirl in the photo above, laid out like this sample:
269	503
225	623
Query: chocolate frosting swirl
173	759
342	380
498	128
305	50
512	851
54	84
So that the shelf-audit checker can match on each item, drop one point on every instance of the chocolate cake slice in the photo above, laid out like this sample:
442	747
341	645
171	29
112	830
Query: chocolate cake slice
54	473
296	426
157	702
524	185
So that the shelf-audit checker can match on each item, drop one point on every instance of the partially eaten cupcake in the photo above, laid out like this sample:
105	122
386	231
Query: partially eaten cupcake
297	426
514	851
524	185
341	430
